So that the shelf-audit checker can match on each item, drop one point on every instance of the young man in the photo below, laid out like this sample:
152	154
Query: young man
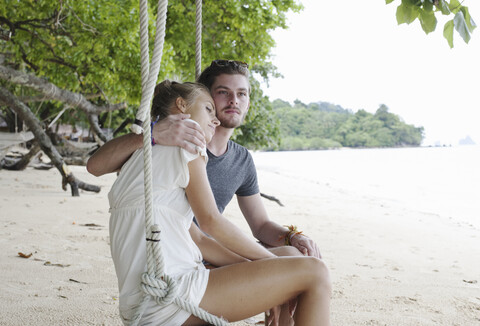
231	170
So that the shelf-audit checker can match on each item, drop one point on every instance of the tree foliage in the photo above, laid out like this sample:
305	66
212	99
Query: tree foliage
425	10
323	125
92	47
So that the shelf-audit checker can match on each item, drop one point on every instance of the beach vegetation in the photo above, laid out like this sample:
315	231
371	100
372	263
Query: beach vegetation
323	125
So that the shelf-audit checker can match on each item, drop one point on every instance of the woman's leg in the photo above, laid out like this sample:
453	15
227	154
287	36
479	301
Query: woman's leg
238	291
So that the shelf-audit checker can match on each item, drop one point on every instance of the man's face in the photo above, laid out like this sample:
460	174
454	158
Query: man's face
231	96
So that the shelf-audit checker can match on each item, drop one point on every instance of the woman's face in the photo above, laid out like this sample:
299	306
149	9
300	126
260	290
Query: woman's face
202	110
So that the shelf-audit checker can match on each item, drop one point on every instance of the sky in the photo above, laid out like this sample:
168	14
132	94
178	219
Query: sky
353	53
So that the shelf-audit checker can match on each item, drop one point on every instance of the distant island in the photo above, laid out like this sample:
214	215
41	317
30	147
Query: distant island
323	125
466	141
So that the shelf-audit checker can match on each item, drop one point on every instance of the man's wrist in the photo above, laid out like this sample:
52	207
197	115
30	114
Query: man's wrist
292	232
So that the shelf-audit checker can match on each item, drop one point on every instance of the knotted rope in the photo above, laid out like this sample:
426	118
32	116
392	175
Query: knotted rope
155	283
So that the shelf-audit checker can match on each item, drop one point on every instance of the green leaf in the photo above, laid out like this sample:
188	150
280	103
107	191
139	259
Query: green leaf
428	21
448	32
454	5
461	26
388	1
443	7
428	6
406	13
468	19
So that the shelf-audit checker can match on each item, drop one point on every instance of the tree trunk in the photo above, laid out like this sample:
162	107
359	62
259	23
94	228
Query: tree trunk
45	143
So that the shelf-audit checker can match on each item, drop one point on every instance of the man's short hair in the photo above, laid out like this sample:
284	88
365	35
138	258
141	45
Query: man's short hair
220	67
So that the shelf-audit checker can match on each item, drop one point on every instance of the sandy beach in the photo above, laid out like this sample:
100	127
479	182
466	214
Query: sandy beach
390	264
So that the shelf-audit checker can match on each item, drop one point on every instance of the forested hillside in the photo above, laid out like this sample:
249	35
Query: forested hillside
323	125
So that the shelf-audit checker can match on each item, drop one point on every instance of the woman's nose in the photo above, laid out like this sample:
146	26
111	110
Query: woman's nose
216	122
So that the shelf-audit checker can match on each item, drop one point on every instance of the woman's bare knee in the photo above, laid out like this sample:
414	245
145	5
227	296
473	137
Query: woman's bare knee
316	274
322	274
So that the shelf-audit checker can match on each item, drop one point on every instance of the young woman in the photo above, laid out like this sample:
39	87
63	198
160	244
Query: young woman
247	281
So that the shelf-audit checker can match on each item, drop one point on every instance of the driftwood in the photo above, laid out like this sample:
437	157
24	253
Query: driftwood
45	143
76	153
20	163
271	198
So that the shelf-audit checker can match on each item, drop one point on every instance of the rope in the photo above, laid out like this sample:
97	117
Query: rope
198	38
155	283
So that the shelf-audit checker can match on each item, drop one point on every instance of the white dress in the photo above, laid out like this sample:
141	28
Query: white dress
172	212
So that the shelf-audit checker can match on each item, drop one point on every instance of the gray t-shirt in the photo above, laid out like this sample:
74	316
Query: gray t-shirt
232	173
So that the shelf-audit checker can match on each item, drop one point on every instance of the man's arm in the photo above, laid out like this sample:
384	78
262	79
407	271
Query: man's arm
171	131
113	154
269	232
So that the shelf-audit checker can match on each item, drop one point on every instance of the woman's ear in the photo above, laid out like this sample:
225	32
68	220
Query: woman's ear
181	104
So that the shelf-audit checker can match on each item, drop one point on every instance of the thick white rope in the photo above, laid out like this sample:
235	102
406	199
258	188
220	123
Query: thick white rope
198	38
155	283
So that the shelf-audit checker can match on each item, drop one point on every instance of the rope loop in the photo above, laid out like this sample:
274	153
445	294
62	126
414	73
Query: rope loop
164	290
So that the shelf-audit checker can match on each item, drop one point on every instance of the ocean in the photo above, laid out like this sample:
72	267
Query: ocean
444	181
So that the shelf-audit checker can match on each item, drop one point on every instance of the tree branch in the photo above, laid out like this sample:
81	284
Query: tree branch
40	98
45	143
53	92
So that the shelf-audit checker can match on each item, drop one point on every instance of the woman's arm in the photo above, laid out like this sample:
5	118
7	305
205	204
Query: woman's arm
212	251
201	200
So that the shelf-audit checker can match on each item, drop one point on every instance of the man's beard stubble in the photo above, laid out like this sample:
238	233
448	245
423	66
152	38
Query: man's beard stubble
231	123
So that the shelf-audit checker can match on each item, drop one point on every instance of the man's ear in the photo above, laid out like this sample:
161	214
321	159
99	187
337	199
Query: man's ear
181	104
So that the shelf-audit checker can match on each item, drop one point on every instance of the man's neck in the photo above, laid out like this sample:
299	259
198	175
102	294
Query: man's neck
218	144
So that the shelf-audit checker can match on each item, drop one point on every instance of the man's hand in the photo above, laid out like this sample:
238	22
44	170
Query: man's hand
305	245
272	316
175	131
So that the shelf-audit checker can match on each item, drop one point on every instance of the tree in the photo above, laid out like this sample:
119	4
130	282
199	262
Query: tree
92	47
425	10
90	51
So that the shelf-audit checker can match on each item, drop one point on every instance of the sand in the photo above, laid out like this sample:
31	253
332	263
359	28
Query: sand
390	264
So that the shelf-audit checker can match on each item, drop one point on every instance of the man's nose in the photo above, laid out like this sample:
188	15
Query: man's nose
233	98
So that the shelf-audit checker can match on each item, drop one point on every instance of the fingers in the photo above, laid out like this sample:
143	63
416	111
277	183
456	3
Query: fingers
195	134
182	116
272	316
192	132
176	131
292	305
307	247
189	147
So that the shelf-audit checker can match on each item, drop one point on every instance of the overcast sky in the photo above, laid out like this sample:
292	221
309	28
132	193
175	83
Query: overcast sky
353	53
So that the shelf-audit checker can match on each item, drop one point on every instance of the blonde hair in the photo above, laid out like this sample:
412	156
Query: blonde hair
167	92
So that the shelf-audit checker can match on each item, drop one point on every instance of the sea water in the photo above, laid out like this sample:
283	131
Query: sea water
439	180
